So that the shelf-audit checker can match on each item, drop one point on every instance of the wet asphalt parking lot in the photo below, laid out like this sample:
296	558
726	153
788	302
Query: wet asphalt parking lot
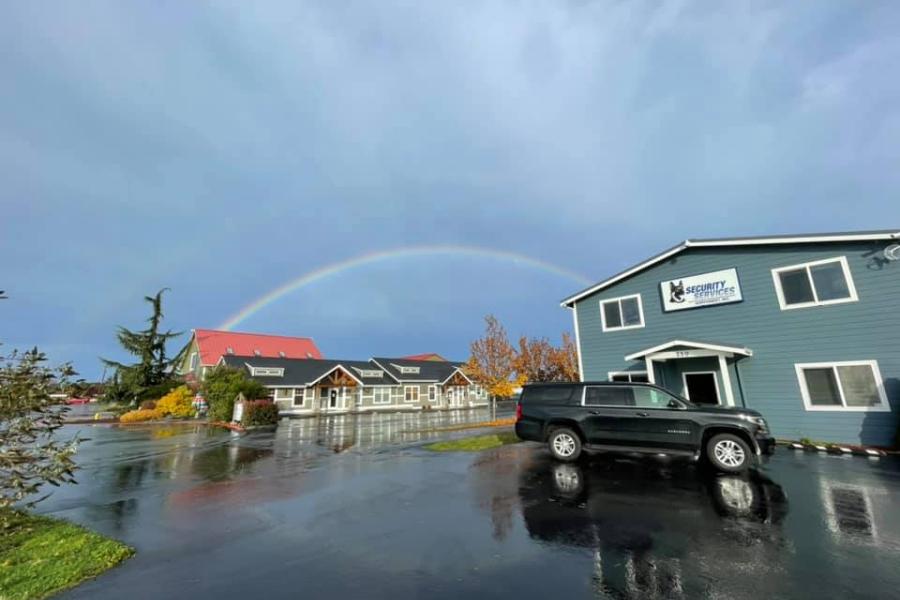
354	507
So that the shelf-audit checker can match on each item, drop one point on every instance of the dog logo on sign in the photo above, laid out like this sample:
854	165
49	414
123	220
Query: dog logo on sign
676	292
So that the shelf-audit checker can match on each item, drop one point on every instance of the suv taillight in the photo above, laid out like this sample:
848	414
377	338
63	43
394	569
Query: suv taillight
518	411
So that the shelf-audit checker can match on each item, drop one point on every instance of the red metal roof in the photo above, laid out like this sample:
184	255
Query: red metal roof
214	344
427	356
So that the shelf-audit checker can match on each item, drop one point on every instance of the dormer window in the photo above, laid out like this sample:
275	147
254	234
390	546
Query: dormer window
373	373
266	372
257	353
406	370
229	350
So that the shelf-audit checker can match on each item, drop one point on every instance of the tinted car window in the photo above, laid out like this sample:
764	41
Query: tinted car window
609	395
548	394
651	398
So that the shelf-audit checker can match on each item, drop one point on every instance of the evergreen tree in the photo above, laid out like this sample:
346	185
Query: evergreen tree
153	373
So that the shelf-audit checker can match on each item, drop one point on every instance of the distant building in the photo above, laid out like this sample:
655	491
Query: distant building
426	356
313	386
208	346
804	328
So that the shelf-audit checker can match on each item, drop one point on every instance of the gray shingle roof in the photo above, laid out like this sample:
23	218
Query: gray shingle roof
302	371
429	370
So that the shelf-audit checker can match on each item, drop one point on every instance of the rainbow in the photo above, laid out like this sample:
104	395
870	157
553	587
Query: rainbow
394	254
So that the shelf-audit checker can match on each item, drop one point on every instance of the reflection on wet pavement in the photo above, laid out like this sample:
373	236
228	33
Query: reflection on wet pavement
351	507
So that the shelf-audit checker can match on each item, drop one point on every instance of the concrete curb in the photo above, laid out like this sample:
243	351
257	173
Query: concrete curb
836	449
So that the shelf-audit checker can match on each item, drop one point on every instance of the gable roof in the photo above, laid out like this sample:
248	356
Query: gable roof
214	344
813	238
429	370
715	347
302	372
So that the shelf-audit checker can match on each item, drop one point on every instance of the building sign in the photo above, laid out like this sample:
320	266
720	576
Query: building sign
708	289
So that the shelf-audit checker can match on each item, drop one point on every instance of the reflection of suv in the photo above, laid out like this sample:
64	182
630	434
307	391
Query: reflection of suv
638	417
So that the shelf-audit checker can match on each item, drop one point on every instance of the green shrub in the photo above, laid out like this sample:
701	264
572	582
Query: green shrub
222	385
259	412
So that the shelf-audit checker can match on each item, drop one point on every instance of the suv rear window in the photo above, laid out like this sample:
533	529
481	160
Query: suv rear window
548	394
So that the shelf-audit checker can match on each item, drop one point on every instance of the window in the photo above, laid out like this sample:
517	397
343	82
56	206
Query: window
626	312
411	393
406	369
229	350
608	395
193	361
284	393
382	395
847	386
299	397
372	373
818	283
629	376
266	372
559	395
432	393
647	397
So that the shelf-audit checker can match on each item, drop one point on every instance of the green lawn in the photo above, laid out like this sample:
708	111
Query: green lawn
40	556
476	443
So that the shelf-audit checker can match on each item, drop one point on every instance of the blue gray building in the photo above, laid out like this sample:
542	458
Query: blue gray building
805	329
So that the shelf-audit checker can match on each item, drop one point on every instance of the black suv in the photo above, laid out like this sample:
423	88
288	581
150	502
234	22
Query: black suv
638	417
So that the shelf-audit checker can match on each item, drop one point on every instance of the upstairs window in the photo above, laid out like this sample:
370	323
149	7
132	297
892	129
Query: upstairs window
843	386
817	283
193	361
408	370
629	376
626	312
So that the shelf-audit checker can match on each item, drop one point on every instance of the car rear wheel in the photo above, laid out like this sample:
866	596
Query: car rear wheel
565	445
728	453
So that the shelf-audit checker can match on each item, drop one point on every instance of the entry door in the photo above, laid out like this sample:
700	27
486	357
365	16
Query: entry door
701	388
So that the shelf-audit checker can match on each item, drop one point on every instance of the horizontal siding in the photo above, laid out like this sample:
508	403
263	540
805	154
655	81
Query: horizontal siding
865	330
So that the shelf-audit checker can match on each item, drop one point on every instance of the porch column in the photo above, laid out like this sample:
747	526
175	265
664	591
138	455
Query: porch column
726	380
651	376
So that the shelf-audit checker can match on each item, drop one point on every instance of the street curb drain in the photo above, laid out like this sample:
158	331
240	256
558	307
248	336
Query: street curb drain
833	449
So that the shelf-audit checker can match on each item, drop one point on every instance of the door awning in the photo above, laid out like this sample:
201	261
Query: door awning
675	345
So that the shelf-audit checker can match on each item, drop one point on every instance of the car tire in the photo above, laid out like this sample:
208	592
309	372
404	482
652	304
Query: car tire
564	444
728	453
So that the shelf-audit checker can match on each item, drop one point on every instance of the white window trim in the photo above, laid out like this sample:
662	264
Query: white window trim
284	389
848	277
384	398
610	374
885	406
432	394
684	387
194	361
301	397
405	397
621	314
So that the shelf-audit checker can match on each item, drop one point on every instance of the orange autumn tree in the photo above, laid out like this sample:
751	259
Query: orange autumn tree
565	360
536	360
492	362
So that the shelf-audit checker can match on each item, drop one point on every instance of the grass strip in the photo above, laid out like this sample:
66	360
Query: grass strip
475	443
40	556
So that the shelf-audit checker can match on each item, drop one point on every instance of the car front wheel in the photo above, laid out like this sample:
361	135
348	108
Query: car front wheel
728	453
565	445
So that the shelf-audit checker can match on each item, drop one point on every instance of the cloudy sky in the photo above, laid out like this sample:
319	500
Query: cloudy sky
222	149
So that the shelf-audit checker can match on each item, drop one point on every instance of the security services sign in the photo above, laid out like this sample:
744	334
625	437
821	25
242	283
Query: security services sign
708	289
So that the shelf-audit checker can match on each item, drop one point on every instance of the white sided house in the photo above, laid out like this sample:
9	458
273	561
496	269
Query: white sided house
305	387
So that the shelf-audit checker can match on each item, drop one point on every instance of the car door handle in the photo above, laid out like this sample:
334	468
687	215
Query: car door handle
642	414
594	412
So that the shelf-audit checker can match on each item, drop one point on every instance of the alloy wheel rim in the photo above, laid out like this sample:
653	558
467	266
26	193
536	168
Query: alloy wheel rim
564	444
729	453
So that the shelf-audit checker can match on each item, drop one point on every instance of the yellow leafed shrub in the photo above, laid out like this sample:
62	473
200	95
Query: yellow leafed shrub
137	416
178	403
